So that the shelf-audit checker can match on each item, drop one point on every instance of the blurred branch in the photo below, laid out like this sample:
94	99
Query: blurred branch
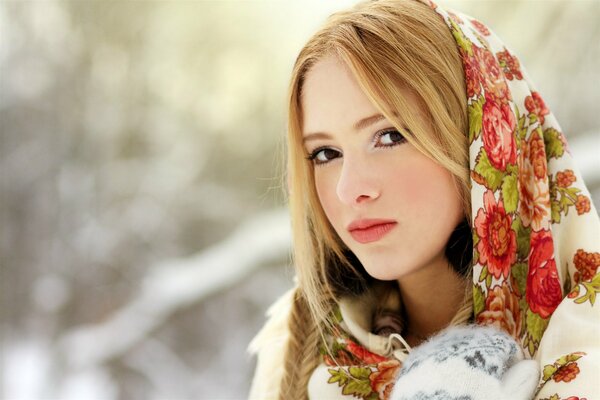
164	369
177	283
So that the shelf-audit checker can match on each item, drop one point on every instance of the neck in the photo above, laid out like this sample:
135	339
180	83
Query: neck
431	297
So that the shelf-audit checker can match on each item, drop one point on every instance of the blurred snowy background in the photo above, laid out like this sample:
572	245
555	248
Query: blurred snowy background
144	231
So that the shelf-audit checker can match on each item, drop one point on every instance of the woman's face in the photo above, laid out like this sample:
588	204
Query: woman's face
366	174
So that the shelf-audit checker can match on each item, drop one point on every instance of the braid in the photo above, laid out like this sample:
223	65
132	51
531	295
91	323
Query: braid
301	356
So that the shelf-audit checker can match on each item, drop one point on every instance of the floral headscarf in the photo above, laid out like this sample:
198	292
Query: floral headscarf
536	234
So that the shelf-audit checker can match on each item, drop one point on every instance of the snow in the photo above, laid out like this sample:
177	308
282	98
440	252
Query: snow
177	283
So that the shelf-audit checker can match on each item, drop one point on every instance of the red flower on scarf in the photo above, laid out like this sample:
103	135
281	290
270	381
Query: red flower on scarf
535	105
587	265
473	75
493	81
502	310
534	193
582	205
363	354
497	241
489	64
341	358
480	27
565	178
510	65
537	155
543	292
498	139
566	373
384	378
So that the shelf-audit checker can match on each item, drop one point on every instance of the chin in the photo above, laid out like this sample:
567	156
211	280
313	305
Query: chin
382	273
386	269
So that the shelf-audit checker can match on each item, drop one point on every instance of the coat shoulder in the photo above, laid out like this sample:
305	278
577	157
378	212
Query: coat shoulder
269	346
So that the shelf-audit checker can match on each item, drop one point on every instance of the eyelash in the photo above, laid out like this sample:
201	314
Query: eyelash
313	155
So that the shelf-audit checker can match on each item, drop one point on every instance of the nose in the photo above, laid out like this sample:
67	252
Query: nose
356	183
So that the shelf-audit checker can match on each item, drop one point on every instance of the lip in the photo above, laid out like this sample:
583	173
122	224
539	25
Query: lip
370	230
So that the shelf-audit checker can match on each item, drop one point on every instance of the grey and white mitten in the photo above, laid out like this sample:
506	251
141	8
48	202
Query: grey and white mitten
467	362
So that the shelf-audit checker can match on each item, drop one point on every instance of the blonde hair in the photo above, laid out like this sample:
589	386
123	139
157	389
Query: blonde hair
386	44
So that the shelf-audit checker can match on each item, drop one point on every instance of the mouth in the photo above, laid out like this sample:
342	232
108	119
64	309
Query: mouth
367	231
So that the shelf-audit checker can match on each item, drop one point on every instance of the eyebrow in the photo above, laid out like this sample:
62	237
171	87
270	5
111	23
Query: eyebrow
362	124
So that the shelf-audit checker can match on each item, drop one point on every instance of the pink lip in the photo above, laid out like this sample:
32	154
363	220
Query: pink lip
370	230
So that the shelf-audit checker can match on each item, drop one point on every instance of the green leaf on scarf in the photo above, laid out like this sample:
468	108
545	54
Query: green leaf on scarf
519	272
568	358
491	175
360	372
525	341
523	236
555	211
536	325
521	126
483	274
589	295
336	347
510	194
564	203
475	238
549	370
338	375
461	39
568	198
555	396
554	146
488	281
532	118
361	386
475	251
571	192
567	284
523	306
475	118
531	346
592	288
337	314
512	169
478	299
554	206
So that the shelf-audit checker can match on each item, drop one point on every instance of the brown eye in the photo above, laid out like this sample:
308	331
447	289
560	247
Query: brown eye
323	155
390	138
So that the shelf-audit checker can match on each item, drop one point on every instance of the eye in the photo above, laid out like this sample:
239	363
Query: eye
389	138
323	155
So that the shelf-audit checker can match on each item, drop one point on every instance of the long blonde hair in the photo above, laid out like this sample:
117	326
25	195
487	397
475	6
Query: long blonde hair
386	44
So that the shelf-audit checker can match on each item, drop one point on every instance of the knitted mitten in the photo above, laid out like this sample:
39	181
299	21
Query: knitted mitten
467	362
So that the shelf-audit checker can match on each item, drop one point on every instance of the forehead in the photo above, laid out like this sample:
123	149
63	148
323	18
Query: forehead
333	100
330	93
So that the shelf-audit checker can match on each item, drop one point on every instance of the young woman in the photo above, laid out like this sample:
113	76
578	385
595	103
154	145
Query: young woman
444	242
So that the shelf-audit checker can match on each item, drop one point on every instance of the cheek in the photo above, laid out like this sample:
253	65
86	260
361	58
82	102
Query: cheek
433	195
325	183
425	184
